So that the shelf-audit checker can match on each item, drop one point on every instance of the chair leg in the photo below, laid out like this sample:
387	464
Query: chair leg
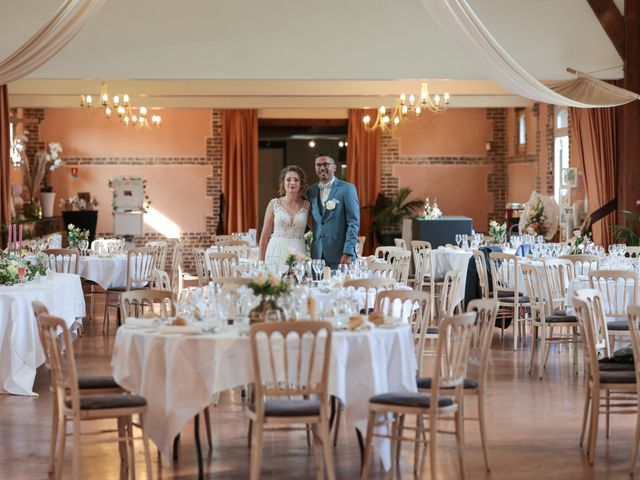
394	446
105	319
122	445
131	459
593	428
585	414
62	435
516	312
54	438
336	428
534	341
147	451
634	448
544	350
326	447
250	433
608	416
433	432
256	451
483	429
459	421
367	446
317	441
207	424
76	458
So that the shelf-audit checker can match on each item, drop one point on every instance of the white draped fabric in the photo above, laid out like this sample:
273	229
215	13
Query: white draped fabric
459	20
65	24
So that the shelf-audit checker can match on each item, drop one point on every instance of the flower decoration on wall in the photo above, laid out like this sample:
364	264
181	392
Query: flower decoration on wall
115	194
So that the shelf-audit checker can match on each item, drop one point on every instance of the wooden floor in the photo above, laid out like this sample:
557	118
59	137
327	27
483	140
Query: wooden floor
533	432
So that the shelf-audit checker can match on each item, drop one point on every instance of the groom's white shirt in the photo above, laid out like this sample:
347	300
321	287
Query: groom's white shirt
325	190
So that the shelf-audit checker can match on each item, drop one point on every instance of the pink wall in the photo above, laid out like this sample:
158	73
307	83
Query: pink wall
84	133
522	181
459	132
459	189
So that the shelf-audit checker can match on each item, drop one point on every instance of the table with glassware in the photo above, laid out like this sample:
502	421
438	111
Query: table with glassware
106	270
20	349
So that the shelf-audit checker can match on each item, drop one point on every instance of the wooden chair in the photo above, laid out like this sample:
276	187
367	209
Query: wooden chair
291	360
160	280
450	368
370	285
360	248
559	273
202	271
449	294
221	264
400	243
613	286
634	321
163	248
135	303
632	252
425	272
87	385
73	407
401	261
140	264
383	252
175	274
544	321
582	264
504	273
483	276
231	243
218	239
242	251
382	269
619	386
63	260
231	282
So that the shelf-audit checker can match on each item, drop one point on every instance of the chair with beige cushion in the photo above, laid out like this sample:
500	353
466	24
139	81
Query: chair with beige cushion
619	289
371	286
291	366
140	264
582	264
393	407
559	273
221	264
75	408
544	321
137	303
87	385
618	385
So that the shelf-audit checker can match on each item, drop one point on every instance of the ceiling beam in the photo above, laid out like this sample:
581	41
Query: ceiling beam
612	22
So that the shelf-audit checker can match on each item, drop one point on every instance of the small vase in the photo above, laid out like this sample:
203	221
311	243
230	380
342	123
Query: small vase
257	314
290	277
47	199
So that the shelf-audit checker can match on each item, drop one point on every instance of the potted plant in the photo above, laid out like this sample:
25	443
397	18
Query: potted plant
628	233
389	212
45	161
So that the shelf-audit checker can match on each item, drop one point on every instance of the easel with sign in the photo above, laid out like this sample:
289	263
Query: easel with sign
128	206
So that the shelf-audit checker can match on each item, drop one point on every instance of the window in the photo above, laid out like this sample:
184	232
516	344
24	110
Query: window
522	128
561	154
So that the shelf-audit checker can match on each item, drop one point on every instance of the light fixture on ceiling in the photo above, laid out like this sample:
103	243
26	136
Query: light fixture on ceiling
312	144
121	106
343	144
405	107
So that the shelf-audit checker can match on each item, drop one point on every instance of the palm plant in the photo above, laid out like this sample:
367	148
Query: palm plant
389	212
628	232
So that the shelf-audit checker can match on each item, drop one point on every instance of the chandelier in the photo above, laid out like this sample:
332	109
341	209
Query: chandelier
121	106
405	107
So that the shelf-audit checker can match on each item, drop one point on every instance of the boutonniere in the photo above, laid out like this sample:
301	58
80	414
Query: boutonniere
331	204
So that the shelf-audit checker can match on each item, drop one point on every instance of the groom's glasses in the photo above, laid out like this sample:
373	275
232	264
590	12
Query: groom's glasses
323	165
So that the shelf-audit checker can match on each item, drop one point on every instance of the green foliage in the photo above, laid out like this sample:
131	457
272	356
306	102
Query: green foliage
271	286
628	233
389	212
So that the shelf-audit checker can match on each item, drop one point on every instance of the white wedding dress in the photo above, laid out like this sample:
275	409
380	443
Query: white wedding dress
288	233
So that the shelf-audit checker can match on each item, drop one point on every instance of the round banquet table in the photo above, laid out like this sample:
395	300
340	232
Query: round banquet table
446	259
179	374
20	349
107	272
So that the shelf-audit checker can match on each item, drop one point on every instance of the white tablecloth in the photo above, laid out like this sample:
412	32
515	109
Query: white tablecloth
105	271
583	282
179	374
446	259
20	349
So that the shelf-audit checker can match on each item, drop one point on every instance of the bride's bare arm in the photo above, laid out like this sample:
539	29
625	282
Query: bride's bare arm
267	230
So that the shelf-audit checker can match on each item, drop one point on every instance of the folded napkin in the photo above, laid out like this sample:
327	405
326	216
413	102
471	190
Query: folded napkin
180	329
141	322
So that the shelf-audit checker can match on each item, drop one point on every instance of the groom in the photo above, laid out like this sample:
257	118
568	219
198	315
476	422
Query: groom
335	215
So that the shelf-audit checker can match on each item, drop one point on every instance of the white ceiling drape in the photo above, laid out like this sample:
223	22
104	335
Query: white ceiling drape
65	24
459	20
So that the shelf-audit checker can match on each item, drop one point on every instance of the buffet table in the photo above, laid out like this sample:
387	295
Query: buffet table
20	349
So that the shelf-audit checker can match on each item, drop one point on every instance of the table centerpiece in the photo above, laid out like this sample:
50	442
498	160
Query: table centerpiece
269	289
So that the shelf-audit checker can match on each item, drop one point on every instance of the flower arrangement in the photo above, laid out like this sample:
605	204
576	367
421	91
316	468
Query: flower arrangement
293	258
432	211
579	243
75	235
497	231
308	241
13	268
269	286
45	161
537	221
68	204
146	203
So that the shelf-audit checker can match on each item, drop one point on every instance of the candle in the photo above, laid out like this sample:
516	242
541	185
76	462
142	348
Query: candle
20	244
9	240
15	236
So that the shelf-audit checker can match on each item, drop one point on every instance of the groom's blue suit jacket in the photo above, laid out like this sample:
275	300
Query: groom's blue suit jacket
335	231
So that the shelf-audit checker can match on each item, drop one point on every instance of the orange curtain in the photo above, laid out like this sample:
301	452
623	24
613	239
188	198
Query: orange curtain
240	169
5	161
595	140
363	167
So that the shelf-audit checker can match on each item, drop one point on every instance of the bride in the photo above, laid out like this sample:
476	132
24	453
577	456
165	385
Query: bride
286	218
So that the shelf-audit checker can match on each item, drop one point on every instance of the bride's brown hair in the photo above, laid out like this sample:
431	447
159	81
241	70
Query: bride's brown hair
303	180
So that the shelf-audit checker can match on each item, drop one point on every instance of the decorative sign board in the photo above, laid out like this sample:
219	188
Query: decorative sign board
128	194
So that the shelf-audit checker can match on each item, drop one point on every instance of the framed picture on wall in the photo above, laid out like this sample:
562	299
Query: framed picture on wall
570	177
565	196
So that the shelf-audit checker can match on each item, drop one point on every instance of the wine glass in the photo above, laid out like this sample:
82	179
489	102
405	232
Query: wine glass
83	245
300	270
317	268
459	238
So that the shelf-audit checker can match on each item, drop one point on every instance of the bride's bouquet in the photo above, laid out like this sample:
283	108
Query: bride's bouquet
540	216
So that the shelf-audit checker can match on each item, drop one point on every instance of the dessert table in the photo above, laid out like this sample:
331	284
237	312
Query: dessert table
179	374
20	349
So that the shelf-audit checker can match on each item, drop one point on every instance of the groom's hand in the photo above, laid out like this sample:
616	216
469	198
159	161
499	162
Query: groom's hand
346	259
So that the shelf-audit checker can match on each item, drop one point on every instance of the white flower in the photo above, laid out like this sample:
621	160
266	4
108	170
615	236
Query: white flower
331	204
71	226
